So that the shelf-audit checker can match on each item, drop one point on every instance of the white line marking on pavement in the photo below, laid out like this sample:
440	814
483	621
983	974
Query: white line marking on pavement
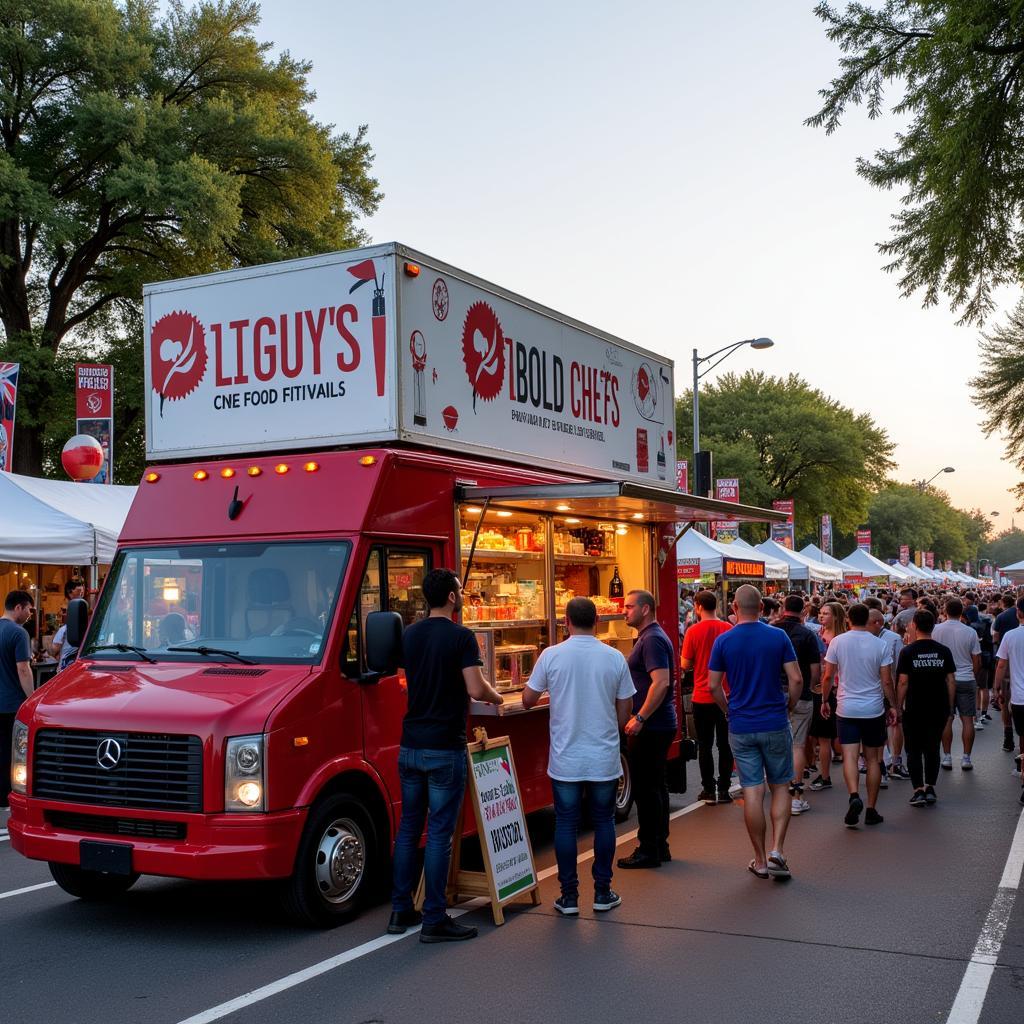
315	970
970	999
28	888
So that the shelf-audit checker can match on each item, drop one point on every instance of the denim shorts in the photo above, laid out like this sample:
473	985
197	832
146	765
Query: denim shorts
761	755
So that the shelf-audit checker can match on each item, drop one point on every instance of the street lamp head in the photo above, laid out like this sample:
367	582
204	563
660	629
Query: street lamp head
949	469
760	343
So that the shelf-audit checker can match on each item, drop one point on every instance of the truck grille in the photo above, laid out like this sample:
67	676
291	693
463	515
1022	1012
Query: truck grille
153	771
139	828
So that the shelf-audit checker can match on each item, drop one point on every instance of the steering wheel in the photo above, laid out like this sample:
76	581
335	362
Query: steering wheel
297	631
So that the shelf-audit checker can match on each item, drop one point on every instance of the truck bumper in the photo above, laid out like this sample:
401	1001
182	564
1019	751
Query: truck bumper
216	846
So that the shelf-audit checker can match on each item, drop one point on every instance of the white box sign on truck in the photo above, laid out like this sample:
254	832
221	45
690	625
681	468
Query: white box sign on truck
348	348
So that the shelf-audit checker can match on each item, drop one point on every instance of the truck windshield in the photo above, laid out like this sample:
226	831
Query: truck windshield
265	602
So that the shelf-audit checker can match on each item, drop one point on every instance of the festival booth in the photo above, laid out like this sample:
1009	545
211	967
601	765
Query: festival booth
852	575
776	571
801	568
52	531
875	568
723	567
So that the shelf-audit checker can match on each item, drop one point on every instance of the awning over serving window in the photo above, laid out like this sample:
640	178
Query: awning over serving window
617	499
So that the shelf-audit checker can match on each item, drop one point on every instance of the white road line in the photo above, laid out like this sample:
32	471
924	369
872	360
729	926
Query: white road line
314	971
28	888
970	999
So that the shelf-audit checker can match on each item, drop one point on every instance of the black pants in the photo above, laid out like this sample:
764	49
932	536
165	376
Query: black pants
922	737
648	757
710	724
6	725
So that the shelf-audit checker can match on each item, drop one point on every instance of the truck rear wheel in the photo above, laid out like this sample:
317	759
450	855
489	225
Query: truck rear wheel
624	794
90	885
335	865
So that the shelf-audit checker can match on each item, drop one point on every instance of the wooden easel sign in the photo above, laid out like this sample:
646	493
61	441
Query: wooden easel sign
493	790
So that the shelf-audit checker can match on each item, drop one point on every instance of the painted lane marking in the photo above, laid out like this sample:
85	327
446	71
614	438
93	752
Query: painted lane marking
28	888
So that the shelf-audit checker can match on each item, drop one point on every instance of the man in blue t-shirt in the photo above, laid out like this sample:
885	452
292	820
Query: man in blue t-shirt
755	657
15	675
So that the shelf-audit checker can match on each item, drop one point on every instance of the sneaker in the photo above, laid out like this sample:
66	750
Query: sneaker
884	782
929	795
837	758
899	772
872	817
987	717
1008	742
799	806
807	773
724	796
861	766
606	900
853	811
947	762
446	930
965	763
918	799
706	796
819	783
979	723
567	905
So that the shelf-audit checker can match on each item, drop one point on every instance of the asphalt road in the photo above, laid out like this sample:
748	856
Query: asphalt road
878	925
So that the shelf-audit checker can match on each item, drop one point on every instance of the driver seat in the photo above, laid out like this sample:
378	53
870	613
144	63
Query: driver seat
269	606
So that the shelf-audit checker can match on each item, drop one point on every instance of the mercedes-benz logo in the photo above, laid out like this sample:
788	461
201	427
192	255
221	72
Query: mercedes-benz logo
108	754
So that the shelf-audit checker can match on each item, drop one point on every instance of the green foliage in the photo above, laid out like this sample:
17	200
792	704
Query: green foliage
137	146
959	163
1006	549
785	439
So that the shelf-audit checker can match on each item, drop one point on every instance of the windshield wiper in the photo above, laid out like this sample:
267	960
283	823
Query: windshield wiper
124	649
215	650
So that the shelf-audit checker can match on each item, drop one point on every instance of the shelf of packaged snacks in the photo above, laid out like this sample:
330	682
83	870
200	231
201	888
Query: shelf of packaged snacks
586	559
513	705
500	623
491	555
619	617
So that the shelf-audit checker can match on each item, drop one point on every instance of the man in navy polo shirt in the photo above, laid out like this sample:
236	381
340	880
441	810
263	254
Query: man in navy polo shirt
756	658
651	730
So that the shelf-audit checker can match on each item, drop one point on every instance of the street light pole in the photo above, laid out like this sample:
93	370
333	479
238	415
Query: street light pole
696	410
922	485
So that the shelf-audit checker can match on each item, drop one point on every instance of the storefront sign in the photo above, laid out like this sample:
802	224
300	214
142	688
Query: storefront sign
494	788
826	534
784	533
683	476
94	411
688	569
725	531
733	567
8	405
904	554
864	540
354	348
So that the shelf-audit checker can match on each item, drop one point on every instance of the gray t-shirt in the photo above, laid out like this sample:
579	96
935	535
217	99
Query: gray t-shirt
962	642
14	647
904	618
584	678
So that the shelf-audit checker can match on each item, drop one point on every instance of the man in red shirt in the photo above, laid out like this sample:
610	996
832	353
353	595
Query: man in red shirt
709	720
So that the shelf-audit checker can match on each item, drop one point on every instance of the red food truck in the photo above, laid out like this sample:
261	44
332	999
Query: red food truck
321	433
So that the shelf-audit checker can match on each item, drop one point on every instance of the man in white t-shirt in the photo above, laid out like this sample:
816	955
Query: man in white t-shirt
1010	662
864	667
591	693
965	647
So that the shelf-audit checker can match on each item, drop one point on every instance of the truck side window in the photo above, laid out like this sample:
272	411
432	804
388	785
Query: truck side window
370	600
406	570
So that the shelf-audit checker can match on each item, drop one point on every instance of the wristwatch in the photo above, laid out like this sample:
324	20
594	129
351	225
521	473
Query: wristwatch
640	718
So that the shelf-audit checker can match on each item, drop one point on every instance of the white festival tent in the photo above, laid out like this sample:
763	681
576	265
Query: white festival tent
56	522
813	551
774	568
695	545
874	567
1014	573
800	566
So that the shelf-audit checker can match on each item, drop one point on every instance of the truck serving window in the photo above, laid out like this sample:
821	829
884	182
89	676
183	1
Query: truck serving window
263	602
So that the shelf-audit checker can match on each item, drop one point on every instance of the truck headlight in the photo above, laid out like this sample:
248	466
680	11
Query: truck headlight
19	758
244	774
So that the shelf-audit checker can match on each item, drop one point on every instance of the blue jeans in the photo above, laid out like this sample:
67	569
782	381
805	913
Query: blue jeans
431	780
568	802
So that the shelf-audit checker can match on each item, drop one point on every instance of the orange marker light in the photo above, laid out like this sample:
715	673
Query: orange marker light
254	471
200	474
411	270
227	473
300	741
311	467
151	478
281	468
368	460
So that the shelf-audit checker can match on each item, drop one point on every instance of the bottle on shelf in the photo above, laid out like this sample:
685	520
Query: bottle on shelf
615	588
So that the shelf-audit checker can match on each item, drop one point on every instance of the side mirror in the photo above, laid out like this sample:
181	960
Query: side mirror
78	621
384	642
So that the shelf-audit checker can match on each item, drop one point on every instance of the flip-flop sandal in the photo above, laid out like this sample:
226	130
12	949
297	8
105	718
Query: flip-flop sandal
763	873
778	868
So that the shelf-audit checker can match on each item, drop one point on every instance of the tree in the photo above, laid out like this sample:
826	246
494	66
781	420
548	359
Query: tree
784	439
1006	549
138	146
960	160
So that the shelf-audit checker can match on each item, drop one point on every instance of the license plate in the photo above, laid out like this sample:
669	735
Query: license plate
110	858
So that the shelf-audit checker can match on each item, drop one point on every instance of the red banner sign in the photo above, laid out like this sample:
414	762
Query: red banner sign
784	533
688	569
929	559
94	409
683	476
8	403
904	554
864	540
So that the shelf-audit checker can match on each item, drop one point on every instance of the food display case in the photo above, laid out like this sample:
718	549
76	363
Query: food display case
525	569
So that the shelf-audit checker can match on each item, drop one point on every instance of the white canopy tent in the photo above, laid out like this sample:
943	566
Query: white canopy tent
874	567
813	551
695	545
800	566
53	522
1014	573
774	568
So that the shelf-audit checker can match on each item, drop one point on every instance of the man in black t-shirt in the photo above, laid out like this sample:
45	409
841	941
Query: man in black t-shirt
1004	622
926	690
442	668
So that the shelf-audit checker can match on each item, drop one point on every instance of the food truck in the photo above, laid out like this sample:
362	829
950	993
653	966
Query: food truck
320	434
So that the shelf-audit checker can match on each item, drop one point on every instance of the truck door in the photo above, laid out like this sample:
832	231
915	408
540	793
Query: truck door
392	581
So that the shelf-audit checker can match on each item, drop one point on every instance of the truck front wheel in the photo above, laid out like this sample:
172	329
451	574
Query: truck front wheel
90	885
335	865
624	794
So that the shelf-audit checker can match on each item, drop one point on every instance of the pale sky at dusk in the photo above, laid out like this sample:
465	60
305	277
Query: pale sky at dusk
645	169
